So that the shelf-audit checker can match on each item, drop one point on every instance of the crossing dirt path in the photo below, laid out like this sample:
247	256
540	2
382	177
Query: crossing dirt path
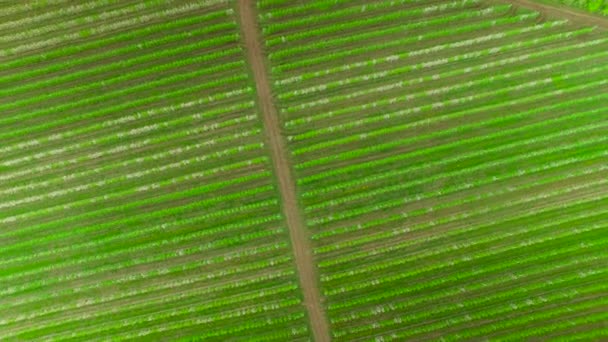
576	16
300	240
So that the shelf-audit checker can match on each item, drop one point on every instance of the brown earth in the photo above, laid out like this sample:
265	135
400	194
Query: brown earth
299	234
556	11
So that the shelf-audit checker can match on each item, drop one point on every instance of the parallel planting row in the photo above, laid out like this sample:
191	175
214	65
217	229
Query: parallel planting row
451	158
136	192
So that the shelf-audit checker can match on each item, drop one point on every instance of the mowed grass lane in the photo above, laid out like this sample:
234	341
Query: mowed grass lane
451	163
136	192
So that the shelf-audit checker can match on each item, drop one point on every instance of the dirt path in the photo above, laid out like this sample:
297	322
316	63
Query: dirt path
300	241
576	16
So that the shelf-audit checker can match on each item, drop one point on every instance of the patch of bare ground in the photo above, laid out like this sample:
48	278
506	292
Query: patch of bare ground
556	11
299	235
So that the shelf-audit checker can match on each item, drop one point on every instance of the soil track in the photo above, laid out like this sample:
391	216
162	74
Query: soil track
576	16
300	241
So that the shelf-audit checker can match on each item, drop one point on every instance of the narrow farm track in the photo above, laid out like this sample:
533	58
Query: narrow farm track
561	11
300	239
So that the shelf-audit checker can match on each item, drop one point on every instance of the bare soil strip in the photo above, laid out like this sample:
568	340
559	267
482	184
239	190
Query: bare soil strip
576	16
298	231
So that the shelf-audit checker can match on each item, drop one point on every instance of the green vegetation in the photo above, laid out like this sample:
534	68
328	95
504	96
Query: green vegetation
594	6
450	162
136	192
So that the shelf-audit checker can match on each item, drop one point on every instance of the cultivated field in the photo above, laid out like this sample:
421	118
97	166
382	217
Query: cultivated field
136	192
302	170
451	159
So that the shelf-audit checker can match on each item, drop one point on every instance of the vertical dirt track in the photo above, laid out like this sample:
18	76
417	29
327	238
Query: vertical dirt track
300	242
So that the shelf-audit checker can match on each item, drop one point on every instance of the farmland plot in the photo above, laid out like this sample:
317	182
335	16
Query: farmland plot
294	170
136	191
451	162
